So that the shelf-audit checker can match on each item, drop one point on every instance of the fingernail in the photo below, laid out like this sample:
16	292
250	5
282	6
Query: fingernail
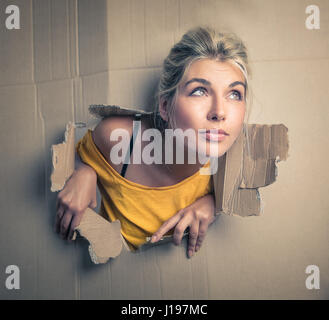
190	253
153	239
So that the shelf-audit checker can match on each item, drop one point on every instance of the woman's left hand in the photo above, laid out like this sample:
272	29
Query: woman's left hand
198	216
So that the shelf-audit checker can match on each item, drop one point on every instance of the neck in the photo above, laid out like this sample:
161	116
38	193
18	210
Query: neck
177	169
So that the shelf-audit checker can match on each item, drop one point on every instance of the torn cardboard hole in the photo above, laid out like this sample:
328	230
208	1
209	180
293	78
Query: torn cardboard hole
63	159
249	164
105	240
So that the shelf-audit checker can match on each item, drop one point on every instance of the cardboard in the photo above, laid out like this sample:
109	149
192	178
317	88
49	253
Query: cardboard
100	233
63	159
105	240
70	54
249	164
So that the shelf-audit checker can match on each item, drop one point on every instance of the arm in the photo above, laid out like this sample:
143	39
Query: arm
78	193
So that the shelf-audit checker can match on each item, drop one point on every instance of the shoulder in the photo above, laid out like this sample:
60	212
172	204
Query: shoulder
101	134
107	125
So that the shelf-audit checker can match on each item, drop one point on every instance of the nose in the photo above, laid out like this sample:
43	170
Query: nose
216	112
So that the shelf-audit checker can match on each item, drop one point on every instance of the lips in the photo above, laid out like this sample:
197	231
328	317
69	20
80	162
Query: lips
216	135
217	131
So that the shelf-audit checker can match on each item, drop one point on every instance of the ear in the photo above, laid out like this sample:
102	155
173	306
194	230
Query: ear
163	104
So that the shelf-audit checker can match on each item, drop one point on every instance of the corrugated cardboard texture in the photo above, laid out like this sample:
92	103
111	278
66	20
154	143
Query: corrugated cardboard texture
63	159
249	164
104	237
105	240
69	54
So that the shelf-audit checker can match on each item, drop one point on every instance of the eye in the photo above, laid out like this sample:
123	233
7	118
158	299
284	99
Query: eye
236	94
199	91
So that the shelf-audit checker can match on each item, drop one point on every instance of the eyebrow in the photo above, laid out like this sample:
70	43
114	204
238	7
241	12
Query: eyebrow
235	83
201	80
207	83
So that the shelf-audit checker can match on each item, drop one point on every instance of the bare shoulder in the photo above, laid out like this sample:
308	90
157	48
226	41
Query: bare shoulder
102	133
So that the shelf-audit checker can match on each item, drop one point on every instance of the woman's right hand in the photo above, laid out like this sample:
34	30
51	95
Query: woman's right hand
78	194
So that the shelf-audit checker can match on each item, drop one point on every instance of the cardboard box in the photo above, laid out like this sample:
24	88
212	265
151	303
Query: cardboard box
69	54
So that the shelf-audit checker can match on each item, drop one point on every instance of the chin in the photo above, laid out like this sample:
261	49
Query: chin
213	150
216	154
217	149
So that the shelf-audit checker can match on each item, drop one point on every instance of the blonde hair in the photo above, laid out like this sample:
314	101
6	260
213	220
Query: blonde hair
198	43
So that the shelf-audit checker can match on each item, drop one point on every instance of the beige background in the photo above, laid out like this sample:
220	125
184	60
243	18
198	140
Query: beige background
69	54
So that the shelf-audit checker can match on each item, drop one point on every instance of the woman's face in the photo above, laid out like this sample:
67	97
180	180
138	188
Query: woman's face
211	96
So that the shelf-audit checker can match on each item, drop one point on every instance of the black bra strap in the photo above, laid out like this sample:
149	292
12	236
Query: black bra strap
138	117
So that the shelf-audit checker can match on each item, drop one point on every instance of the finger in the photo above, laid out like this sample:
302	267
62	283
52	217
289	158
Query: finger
93	204
59	215
58	201
201	235
74	223
168	225
66	237
183	224
65	223
193	236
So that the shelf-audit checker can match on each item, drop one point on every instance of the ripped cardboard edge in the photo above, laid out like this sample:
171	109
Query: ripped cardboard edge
104	237
63	159
102	111
163	240
100	232
249	164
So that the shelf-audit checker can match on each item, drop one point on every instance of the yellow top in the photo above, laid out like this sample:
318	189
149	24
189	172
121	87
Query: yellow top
140	209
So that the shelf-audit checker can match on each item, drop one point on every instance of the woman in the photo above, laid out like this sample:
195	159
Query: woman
203	88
